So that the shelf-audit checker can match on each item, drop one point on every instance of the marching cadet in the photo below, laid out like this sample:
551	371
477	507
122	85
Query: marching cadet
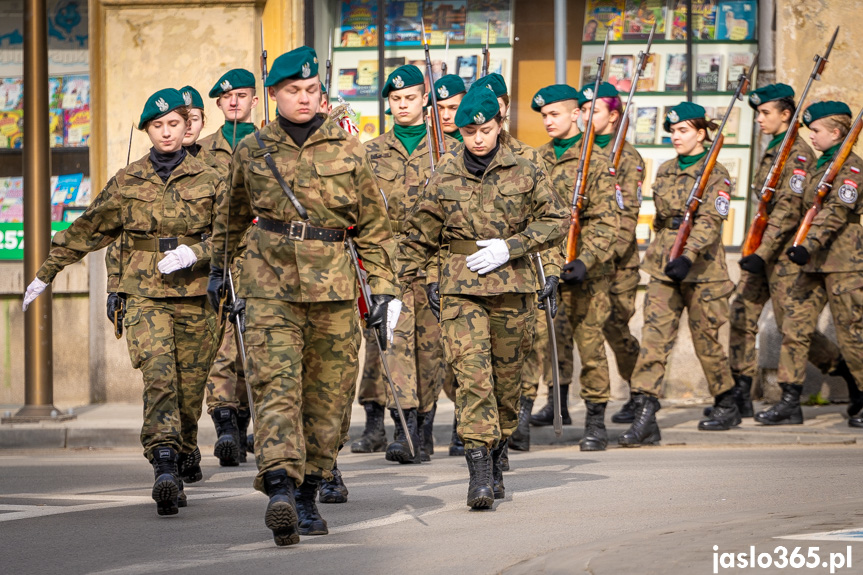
831	260
768	273
584	293
162	207
696	281
485	209
235	96
307	182
450	91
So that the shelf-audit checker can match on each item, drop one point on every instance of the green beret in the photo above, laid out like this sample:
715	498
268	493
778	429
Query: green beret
477	107
769	93
606	90
298	64
449	86
159	104
682	112
820	110
494	81
324	89
192	97
552	94
403	77
233	80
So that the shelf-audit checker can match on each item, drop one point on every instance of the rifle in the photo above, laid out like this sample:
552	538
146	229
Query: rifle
486	57
557	420
328	77
239	327
439	144
443	62
119	314
826	183
225	270
583	162
617	149
366	293
264	75
695	195
759	223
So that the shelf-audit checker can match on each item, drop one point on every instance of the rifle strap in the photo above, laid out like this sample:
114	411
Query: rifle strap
301	211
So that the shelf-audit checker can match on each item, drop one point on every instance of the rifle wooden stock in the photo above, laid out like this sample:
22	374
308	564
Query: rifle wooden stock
695	199
438	142
578	202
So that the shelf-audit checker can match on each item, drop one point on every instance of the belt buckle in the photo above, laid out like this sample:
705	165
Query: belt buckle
295	235
166	244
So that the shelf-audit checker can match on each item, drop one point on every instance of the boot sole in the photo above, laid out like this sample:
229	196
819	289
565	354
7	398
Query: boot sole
228	453
192	478
281	519
481	502
165	494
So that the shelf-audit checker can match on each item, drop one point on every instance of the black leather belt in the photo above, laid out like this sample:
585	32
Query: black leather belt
669	223
165	244
299	231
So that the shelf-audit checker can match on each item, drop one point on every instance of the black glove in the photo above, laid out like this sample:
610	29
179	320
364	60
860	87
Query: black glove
678	268
798	254
574	272
116	302
238	310
378	317
215	286
550	292
753	264
433	292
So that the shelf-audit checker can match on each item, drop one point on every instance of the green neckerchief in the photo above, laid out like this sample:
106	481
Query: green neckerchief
410	136
776	140
827	156
561	146
456	135
687	161
603	140
243	130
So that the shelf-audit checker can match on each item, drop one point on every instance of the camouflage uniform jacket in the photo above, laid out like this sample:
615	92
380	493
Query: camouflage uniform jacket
600	214
136	204
835	240
629	176
218	148
704	246
331	177
512	201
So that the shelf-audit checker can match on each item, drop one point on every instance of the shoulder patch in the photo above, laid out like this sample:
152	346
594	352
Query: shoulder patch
722	203
796	181
618	195
801	159
848	192
854	169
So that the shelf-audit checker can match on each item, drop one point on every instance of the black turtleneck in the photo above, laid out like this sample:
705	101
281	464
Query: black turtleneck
164	164
299	133
193	149
477	165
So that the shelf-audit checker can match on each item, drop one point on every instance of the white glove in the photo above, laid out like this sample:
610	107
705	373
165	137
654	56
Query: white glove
35	288
394	308
177	259
494	253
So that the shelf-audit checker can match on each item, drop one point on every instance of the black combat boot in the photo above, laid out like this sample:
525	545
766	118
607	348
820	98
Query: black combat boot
787	411
427	432
480	494
497	471
189	466
644	429
520	438
743	395
281	515
244	417
545	416
310	521
595	436
374	438
181	496
504	457
398	450
166	489
724	414
626	413
456	446
227	447
855	396
334	491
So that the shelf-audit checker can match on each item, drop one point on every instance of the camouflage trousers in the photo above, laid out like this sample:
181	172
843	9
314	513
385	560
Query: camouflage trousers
415	356
588	307
486	339
301	363
172	341
537	364
707	304
752	293
624	286
811	291
226	383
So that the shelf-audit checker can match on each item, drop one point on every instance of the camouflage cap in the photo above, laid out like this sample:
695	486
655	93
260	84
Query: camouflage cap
552	94
403	77
606	90
477	107
682	112
494	81
192	97
298	64
159	104
769	93
820	110
449	86
233	80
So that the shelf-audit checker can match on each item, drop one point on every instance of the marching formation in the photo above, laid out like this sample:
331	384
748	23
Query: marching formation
247	266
